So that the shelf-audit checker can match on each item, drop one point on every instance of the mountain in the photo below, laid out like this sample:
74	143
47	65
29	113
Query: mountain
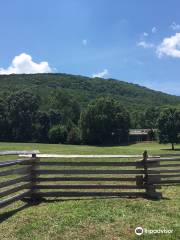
85	89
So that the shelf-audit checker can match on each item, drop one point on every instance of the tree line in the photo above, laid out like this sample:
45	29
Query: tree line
28	117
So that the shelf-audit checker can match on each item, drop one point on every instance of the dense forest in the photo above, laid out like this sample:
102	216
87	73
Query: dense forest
52	107
85	89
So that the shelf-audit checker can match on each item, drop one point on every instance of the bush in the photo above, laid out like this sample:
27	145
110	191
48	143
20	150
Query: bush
58	134
74	136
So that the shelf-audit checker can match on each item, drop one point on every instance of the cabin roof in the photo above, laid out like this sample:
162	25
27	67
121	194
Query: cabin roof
139	131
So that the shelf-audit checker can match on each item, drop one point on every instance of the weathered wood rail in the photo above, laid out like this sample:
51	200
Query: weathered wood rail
120	176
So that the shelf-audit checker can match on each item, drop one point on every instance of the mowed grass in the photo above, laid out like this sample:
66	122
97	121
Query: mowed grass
92	219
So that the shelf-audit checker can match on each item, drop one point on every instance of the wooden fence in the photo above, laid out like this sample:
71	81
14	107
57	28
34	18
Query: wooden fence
120	176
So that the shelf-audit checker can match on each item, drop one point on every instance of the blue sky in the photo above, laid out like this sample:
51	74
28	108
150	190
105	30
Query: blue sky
132	40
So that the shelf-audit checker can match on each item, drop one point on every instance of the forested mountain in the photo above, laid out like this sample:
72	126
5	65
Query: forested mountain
85	89
61	108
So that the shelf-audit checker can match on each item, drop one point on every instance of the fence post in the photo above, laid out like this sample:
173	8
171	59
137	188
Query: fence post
149	186
34	193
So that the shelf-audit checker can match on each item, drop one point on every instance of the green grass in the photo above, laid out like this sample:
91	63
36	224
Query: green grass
92	219
153	148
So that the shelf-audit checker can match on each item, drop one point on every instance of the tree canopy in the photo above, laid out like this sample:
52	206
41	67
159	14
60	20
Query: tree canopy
105	121
169	126
21	110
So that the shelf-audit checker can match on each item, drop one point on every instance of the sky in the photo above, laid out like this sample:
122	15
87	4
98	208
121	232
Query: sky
137	41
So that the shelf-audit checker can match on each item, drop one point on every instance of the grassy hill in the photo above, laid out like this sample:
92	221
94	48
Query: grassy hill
85	89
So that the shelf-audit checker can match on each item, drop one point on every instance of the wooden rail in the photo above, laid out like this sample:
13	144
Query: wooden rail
129	177
13	183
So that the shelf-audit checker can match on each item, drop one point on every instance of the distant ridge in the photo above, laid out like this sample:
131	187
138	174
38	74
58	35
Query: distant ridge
85	89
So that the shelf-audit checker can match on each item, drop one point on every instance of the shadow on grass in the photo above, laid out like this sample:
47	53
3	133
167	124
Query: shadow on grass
27	204
169	149
67	199
113	144
6	215
166	198
96	198
77	199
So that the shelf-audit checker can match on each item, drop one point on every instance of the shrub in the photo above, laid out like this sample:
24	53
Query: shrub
74	136
58	134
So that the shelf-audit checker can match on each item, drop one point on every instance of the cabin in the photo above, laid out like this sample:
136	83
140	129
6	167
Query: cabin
139	135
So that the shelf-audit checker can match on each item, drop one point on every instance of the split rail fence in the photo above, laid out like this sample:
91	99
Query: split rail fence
69	176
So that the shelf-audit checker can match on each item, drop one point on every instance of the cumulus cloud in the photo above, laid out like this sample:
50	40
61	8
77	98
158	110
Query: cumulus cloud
145	44
84	42
154	30
169	47
23	63
102	74
174	26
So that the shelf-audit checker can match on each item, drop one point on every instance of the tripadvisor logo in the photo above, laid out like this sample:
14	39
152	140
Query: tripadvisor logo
139	231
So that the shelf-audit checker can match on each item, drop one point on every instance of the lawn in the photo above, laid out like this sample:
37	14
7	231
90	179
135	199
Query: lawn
92	219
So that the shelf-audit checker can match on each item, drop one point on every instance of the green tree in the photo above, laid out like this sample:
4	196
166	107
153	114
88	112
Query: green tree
22	108
55	117
169	126
58	134
42	126
151	116
66	104
4	123
137	119
105	121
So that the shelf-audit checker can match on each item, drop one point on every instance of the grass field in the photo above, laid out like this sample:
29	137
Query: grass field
92	219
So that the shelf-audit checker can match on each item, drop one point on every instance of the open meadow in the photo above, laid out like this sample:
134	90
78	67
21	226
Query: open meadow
93	218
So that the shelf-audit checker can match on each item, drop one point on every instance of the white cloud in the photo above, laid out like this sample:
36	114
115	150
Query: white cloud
102	74
174	26
169	47
145	34
23	63
154	30
84	42
144	44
